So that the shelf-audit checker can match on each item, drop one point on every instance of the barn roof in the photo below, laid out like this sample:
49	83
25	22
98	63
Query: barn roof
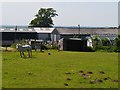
31	30
85	31
44	30
63	30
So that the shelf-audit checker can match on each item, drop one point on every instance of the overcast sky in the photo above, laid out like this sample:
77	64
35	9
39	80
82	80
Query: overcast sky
70	13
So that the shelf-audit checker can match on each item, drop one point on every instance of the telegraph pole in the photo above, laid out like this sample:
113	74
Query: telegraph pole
15	33
79	30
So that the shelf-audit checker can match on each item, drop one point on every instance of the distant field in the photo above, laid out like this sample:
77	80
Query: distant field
60	70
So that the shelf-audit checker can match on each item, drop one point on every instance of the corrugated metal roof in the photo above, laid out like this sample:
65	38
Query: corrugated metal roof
34	30
63	30
26	30
44	30
86	31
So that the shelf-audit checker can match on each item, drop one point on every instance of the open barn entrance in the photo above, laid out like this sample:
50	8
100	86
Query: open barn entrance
74	44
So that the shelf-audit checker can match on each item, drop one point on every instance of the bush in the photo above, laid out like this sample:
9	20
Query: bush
117	45
105	48
54	47
90	49
105	45
106	42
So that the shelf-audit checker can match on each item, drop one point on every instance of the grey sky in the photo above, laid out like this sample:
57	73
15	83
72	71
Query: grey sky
119	13
70	13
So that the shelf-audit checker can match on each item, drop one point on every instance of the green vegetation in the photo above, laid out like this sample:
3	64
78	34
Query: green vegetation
58	69
117	46
105	44
44	18
0	69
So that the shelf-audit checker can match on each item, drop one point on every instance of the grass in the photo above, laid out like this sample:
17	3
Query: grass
48	71
0	70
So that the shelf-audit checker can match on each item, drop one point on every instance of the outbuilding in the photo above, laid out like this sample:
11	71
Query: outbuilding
75	44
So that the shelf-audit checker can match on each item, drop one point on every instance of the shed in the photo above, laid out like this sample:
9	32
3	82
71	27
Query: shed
75	44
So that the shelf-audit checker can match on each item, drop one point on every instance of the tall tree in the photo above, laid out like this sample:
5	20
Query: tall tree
44	18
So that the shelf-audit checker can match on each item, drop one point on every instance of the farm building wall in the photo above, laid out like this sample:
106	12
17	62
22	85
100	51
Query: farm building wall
67	36
9	37
55	38
44	36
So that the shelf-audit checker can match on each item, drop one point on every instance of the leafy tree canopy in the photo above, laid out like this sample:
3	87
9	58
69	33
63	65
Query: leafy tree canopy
44	18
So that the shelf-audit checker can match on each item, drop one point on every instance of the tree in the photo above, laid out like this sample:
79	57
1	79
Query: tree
44	18
106	42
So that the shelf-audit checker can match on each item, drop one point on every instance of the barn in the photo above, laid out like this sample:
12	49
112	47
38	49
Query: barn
69	38
11	35
75	39
110	33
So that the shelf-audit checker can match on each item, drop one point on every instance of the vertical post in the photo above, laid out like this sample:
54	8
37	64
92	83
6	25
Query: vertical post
79	30
15	33
55	39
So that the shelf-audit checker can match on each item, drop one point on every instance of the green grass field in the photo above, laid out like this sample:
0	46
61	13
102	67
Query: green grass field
50	71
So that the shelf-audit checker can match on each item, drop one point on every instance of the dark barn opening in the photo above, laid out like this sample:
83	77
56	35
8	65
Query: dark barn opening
74	45
8	38
19	36
26	35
